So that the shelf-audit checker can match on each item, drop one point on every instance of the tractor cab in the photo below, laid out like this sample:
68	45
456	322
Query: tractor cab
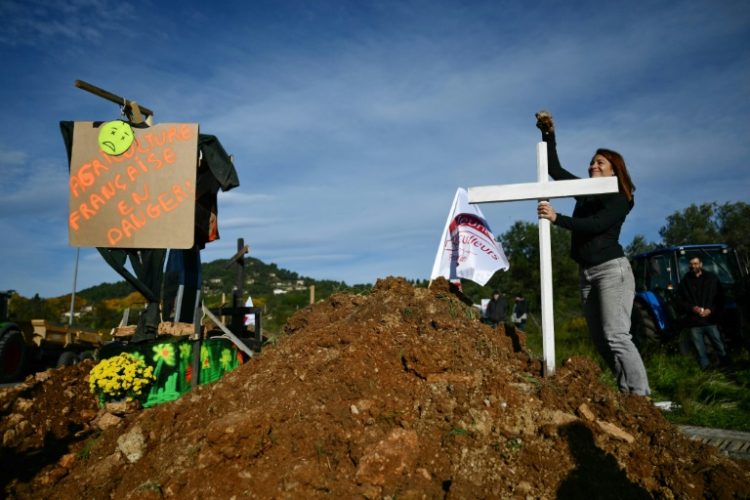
658	273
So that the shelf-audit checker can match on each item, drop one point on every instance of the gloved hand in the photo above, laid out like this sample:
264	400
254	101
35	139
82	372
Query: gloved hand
544	122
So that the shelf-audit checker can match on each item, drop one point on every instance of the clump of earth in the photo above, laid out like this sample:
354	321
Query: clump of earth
402	393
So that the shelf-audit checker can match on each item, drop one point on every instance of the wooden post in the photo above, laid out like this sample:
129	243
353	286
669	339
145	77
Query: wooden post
237	323
223	303
197	342
128	105
312	294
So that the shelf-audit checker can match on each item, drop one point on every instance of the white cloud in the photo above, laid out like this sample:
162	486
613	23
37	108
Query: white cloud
351	132
40	22
11	158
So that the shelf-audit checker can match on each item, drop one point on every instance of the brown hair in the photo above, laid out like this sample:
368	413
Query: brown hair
621	171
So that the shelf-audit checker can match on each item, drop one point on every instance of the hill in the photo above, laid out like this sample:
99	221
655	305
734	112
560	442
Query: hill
280	291
261	279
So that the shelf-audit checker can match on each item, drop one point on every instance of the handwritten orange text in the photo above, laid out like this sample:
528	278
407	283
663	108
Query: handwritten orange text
137	214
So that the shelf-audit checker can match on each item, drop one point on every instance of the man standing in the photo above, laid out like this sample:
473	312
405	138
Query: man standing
519	314
496	309
698	295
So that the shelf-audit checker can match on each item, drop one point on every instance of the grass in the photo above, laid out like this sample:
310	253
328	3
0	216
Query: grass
85	452
711	398
454	433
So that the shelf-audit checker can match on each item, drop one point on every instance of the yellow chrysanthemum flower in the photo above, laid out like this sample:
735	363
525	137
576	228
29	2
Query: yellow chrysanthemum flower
122	376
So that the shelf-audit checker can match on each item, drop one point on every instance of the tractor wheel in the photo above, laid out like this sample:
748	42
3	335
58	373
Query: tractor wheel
13	352
643	329
67	358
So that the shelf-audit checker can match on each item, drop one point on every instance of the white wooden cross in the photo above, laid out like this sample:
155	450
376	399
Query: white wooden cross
544	190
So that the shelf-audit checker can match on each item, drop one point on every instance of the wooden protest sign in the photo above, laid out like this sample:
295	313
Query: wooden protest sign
142	198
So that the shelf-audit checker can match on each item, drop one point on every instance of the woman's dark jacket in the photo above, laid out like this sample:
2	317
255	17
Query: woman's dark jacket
596	219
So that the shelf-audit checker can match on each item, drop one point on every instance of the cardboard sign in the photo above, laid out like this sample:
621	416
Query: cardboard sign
143	198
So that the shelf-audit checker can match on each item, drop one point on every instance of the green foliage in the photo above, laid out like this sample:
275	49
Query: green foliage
703	398
734	225
150	486
103	317
710	223
222	279
639	245
706	223
106	291
21	309
85	452
695	224
514	445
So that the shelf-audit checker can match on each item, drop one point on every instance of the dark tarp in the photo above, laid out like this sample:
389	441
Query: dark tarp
183	270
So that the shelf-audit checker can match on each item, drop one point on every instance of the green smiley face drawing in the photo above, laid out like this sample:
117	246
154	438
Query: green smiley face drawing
115	137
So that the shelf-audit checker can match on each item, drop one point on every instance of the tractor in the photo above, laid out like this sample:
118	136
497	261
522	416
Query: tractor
36	345
13	348
656	317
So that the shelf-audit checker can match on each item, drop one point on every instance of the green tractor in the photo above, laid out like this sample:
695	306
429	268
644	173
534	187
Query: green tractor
13	346
37	345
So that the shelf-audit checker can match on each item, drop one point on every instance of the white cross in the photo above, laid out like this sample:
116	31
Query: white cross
544	190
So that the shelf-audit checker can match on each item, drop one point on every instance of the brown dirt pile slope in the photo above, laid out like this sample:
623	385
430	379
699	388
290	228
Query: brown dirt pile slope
402	393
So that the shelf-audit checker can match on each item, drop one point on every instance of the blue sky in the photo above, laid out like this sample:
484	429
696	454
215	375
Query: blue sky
352	123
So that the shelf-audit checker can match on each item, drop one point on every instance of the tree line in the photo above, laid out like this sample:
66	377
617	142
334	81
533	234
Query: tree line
697	224
705	223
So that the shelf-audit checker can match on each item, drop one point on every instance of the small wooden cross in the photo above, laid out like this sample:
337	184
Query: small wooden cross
543	190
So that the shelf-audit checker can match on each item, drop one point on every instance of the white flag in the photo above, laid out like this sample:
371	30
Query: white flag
467	248
249	318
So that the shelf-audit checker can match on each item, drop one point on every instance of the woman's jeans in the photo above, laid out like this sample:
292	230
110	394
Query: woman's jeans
607	290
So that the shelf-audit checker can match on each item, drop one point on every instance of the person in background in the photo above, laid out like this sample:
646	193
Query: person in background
519	313
606	279
699	297
496	309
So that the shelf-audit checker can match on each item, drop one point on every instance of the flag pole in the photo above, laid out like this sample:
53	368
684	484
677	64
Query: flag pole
73	294
441	243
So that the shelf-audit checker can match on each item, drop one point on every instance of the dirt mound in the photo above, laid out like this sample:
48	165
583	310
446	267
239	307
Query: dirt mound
399	393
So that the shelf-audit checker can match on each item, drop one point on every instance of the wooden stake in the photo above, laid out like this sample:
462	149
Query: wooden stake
129	105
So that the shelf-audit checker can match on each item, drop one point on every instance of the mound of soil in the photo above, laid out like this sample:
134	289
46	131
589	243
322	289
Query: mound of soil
401	393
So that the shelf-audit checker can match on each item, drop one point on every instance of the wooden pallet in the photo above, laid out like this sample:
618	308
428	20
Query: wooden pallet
63	336
175	329
735	444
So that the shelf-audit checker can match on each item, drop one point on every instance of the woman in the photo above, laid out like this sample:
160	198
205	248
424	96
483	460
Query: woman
607	285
